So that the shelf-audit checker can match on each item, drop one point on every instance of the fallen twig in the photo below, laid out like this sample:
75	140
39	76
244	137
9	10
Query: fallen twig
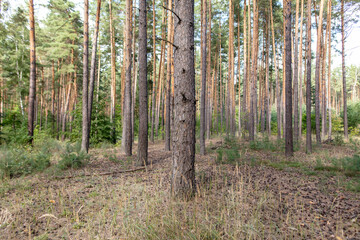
104	173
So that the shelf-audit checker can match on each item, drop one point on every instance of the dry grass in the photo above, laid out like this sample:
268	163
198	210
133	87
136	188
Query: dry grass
233	201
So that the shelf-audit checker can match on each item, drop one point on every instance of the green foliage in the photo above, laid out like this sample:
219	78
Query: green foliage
229	152
266	144
14	130
72	157
350	166
18	161
339	140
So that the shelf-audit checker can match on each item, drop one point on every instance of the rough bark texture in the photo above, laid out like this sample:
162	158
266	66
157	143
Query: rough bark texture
183	156
329	67
93	66
153	95
308	79
343	70
126	142
113	77
85	116
300	69
203	77
32	87
288	85
143	90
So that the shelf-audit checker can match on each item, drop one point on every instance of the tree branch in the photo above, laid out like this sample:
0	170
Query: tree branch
173	13
161	39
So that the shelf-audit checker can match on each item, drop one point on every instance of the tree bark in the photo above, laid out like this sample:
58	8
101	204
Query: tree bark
183	156
329	67
300	68
126	142
308	79
346	135
85	115
153	95
32	87
113	78
203	77
289	151
296	76
143	90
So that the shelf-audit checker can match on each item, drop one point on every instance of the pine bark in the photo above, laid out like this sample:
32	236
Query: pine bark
296	76
183	156
85	115
308	79
113	77
329	67
32	87
346	135
126	142
203	77
300	69
289	151
153	95
143	90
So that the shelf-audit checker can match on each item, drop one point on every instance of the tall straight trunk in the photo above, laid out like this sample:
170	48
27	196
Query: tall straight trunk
343	70
203	77
168	79
153	104
93	67
245	82
317	73
308	79
323	88
278	100
239	75
249	91
85	115
126	142
113	77
143	90
296	76
221	85
288	85
329	66
300	68
229	103
32	87
208	73
53	96
254	72
183	156
267	83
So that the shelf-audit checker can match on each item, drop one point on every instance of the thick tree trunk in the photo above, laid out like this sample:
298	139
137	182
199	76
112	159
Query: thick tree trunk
203	77
308	79
85	115
143	90
183	156
93	68
343	70
288	85
32	87
126	142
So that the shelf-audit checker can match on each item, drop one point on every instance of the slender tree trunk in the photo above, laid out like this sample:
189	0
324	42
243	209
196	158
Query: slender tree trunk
245	82
153	104
85	115
93	68
323	88
329	67
343	70
143	92
168	77
300	68
183	156
288	85
296	76
208	118
32	87
203	77
239	75
317	74
126	142
267	83
308	79
113	77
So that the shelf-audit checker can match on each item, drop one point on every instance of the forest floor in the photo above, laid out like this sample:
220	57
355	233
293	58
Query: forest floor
244	191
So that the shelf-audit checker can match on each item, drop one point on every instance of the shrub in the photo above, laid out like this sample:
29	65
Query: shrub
229	152
72	157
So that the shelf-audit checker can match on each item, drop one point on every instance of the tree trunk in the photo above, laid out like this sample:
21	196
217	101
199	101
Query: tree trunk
308	79
289	151
93	68
203	77
343	70
267	83
183	156
143	90
296	76
317	74
208	72
32	87
126	142
300	68
329	67
153	104
245	79
113	77
85	115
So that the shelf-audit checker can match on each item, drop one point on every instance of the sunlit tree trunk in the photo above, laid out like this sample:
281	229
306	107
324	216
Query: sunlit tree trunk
113	77
153	95
343	70
32	87
329	67
203	77
296	76
308	79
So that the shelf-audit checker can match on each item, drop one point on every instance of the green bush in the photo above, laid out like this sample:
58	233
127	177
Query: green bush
229	152
72	157
15	162
266	144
